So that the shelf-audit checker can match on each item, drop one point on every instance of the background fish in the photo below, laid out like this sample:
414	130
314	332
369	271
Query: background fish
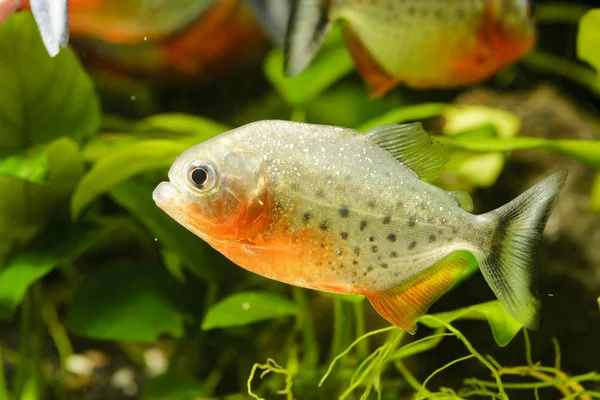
420	43
332	209
168	41
51	16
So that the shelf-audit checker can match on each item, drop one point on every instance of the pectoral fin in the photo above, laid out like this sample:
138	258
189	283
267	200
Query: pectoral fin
404	304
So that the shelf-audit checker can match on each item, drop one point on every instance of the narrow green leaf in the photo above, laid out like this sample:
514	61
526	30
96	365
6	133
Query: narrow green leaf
503	326
587	151
588	39
404	114
59	246
26	207
331	64
43	98
173	386
123	164
182	124
193	251
248	307
124	301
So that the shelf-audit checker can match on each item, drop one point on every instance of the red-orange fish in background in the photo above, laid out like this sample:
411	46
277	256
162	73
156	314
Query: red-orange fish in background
175	40
419	43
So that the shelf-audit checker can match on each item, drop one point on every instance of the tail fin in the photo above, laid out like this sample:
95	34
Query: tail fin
309	23
509	264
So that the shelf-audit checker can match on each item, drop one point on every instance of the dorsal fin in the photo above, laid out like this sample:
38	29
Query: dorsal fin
463	199
307	27
412	146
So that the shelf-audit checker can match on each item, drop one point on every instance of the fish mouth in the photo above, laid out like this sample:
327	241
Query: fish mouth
166	195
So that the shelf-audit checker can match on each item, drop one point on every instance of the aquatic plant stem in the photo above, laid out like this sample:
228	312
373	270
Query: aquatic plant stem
410	378
57	332
345	352
527	347
3	389
362	348
470	347
434	373
338	327
310	357
589	377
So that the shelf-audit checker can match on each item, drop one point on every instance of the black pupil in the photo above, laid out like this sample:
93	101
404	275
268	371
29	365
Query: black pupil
199	176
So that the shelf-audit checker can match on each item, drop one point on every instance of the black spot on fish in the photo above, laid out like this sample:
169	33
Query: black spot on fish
363	225
370	268
341	266
322	246
384	266
306	217
371	204
399	204
338	251
365	273
430	220
387	219
391	237
412	245
320	193
372	239
374	249
393	254
344	235
412	221
357	251
423	205
440	231
431	238
396	274
454	230
344	212
355	262
294	186
324	225
450	240
443	221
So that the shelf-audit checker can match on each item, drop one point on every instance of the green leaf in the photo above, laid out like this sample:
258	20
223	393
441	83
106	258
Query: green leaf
248	307
193	251
125	301
358	298
504	327
331	64
470	118
32	166
588	39
587	151
26	207
181	124
123	164
404	114
43	98
60	245
126	161
173	386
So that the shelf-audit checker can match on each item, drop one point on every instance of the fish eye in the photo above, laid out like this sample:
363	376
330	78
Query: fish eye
201	175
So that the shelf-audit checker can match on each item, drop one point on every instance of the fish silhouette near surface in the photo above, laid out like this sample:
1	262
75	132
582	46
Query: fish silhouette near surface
419	43
333	209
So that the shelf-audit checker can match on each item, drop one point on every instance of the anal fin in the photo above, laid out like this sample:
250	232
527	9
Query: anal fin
378	81
404	304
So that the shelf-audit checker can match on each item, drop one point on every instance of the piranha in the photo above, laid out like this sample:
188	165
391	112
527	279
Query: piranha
419	43
332	209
